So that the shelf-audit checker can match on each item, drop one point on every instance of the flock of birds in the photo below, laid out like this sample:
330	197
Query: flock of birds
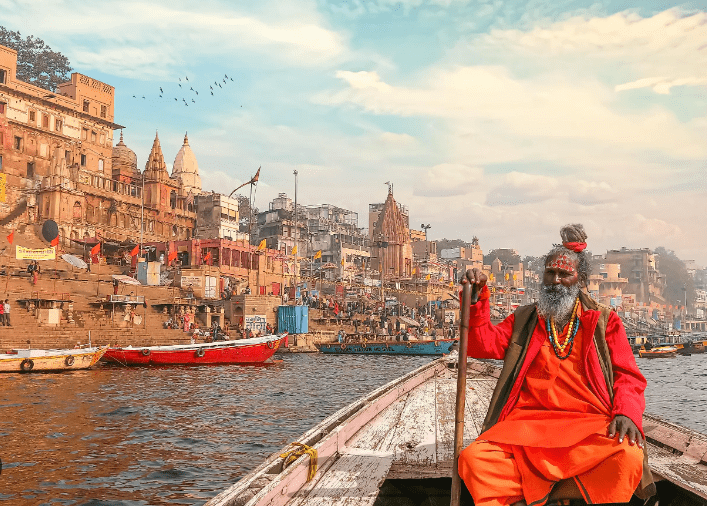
212	87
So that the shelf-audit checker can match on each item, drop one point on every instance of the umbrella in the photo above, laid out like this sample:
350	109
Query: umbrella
126	279
74	261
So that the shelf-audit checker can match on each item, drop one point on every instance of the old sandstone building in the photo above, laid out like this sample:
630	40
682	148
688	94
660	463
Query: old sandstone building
58	162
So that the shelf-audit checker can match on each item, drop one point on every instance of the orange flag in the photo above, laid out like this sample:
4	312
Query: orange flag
55	241
207	258
96	249
11	237
171	256
135	250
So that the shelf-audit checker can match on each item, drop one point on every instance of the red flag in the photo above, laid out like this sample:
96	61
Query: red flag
96	249
171	256
11	237
55	241
135	251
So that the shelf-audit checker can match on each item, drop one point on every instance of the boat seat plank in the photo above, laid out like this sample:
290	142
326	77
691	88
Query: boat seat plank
353	480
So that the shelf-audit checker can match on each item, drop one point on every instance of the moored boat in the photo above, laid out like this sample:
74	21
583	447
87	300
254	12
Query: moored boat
658	352
397	443
428	347
32	360
255	350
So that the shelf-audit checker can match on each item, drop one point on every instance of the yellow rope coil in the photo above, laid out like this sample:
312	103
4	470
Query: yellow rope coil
296	452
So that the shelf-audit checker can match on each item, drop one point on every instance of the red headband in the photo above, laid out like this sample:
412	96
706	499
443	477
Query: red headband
577	247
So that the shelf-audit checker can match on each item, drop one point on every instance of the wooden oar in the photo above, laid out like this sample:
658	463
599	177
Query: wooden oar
469	297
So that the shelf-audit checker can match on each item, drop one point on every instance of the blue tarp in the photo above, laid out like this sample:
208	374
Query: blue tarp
293	319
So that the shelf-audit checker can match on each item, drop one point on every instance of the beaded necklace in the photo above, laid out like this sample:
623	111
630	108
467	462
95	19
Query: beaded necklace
573	326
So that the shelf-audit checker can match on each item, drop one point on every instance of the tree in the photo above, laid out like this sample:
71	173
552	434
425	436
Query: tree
37	63
678	282
504	255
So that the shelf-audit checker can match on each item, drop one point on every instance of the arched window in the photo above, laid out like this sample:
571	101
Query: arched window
78	211
174	230
173	199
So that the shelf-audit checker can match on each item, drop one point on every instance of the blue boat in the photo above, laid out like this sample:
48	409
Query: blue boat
438	347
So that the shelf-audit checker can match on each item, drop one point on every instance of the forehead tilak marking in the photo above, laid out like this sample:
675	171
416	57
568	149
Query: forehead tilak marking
563	262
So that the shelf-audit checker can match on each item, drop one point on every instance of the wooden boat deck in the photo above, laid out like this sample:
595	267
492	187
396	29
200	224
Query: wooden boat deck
405	430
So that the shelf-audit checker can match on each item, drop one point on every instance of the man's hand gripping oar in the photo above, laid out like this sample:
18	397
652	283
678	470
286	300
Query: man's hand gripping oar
472	282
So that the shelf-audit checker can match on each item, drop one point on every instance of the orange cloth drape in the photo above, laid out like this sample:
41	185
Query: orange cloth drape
556	430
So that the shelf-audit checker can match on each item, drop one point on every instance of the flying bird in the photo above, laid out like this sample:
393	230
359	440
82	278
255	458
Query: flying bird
143	96
134	96
211	88
180	78
231	78
196	92
192	89
180	85
219	85
160	96
176	100
225	76
161	90
185	77
193	100
212	92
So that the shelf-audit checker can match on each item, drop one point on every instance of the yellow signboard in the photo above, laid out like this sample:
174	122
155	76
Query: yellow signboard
23	253
3	183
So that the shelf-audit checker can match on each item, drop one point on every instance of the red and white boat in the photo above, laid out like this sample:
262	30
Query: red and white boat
256	350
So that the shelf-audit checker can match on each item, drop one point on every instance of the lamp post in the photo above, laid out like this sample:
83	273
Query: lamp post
296	242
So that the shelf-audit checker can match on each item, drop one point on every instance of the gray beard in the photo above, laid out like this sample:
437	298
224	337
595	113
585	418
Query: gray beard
557	302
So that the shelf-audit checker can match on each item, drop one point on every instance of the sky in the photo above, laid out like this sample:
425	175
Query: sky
498	119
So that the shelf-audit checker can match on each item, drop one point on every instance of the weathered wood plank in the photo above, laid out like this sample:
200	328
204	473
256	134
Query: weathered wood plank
353	480
412	439
374	433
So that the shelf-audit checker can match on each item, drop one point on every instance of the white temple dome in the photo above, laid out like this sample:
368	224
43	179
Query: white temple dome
186	169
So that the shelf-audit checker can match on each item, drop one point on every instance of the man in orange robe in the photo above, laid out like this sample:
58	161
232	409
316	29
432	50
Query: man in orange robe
559	421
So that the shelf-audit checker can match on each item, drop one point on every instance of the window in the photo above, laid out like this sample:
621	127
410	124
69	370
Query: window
104	110
32	116
30	170
103	139
45	121
84	134
3	76
2	107
100	165
77	211
0	163
67	156
85	106
83	160
93	136
58	125
18	143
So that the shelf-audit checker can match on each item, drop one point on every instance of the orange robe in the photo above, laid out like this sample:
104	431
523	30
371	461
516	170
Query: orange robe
556	430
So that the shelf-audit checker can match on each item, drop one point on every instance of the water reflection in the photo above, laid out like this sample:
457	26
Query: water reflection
156	435
138	436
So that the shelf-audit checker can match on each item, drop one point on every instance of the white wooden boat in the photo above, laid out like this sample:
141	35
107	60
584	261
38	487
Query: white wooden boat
402	436
50	360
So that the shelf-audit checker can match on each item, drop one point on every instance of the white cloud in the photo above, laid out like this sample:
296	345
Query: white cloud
668	43
547	107
447	179
162	35
661	85
521	188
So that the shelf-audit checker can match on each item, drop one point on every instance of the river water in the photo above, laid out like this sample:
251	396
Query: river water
116	436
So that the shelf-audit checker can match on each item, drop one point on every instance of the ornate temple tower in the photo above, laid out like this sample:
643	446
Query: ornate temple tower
124	162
